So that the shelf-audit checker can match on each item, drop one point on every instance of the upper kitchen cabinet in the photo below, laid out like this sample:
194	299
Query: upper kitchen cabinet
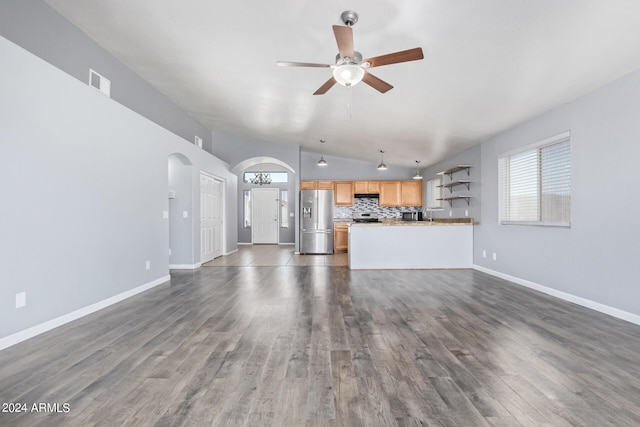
366	187
343	193
390	193
316	185
411	193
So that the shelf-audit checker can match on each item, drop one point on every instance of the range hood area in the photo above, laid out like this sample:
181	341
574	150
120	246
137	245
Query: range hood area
366	196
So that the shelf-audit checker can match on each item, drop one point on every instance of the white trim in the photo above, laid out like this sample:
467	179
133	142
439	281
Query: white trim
245	164
184	266
244	244
284	244
602	308
232	252
31	332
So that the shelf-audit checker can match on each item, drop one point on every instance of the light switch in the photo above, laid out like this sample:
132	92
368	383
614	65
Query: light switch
21	299
165	214
185	214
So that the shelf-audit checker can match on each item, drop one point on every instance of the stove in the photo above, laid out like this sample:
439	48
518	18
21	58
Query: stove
365	217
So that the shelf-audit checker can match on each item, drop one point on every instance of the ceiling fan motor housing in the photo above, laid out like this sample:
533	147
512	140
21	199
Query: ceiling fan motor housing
357	58
349	17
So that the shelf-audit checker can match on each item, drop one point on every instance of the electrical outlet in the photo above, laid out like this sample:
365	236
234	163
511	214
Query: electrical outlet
21	299
495	257
165	214
169	251
466	212
148	265
450	213
484	253
185	214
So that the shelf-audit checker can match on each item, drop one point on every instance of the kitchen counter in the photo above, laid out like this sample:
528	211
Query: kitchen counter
397	244
399	222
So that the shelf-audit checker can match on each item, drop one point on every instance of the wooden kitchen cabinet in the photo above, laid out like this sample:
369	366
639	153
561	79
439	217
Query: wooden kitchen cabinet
411	193
366	187
390	193
316	185
340	237
343	193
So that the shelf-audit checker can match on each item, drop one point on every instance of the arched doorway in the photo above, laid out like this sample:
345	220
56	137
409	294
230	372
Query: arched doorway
180	188
266	212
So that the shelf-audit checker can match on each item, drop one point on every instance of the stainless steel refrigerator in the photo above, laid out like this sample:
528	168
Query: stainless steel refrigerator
316	221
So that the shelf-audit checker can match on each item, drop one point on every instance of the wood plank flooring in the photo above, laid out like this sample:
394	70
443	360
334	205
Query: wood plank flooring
318	345
272	255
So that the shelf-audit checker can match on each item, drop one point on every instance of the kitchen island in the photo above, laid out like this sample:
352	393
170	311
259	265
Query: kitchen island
395	244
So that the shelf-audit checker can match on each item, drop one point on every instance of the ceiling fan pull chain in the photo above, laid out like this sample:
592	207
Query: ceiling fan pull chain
349	100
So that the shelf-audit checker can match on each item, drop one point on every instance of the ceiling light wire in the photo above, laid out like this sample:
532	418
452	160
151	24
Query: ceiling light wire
322	161
382	166
417	175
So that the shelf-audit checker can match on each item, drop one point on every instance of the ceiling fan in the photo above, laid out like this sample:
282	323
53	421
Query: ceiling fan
350	69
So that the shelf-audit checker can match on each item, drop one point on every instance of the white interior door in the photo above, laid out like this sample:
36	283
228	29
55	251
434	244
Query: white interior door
265	203
211	217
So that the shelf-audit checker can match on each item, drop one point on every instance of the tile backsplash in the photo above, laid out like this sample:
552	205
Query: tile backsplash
372	205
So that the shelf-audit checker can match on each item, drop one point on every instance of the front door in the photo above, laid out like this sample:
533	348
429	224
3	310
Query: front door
265	204
211	221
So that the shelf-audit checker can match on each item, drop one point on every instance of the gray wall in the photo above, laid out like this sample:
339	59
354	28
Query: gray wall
236	149
83	200
473	157
596	259
38	28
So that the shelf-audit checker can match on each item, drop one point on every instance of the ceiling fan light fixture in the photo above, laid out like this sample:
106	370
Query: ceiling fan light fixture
348	74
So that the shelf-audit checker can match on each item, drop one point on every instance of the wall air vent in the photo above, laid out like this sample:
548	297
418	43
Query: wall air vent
198	141
100	83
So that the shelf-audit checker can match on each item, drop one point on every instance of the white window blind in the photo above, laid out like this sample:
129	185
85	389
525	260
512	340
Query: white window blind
535	184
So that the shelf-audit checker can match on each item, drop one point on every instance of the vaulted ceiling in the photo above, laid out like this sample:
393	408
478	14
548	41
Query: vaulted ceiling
488	65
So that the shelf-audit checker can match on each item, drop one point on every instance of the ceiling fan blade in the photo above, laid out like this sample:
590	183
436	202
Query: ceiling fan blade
302	64
396	57
344	38
379	85
325	87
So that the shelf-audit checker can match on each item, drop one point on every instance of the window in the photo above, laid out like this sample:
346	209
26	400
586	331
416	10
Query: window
434	193
276	177
246	221
284	208
535	183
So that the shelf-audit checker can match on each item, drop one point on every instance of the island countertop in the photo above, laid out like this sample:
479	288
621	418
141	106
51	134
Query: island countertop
399	222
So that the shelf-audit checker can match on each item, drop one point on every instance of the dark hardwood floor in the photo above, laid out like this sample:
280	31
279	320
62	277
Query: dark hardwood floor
319	345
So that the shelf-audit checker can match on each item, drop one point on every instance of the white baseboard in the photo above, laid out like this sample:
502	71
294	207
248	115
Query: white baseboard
232	252
244	244
31	332
602	308
184	266
285	244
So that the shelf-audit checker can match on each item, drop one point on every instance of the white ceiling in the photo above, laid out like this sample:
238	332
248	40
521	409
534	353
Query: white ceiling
488	65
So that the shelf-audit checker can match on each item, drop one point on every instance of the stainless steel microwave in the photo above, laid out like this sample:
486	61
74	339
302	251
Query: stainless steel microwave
412	216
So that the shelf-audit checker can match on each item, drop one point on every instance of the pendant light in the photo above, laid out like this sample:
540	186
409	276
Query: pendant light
417	174
322	161
382	166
